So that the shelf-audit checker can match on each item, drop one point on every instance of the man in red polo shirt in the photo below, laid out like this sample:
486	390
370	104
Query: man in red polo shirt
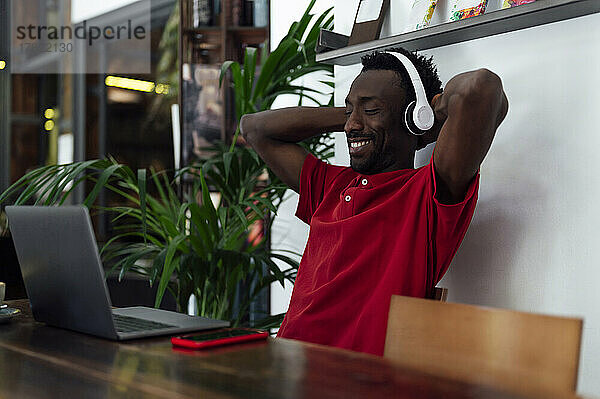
380	227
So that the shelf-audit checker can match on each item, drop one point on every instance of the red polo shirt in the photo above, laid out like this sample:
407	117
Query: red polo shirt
371	236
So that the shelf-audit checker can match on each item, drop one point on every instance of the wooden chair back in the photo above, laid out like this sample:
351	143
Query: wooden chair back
440	294
520	352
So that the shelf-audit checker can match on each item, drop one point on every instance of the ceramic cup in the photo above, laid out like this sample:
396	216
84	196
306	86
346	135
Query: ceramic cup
2	291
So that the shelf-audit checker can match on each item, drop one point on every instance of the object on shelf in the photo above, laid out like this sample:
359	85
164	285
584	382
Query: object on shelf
514	3
329	40
236	12
204	45
368	22
261	13
535	14
368	10
463	9
420	15
202	13
248	13
242	13
203	110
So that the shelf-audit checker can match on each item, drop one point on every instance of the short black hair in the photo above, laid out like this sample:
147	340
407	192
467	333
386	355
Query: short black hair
425	67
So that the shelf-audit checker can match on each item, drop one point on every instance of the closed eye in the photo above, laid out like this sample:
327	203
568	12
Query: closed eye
372	111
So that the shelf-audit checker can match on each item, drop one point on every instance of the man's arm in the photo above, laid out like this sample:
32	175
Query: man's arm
469	111
273	135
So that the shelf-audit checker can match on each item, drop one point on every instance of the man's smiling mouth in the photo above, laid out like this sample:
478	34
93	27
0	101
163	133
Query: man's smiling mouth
358	146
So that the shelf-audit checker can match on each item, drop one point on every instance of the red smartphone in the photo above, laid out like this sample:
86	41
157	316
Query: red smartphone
223	336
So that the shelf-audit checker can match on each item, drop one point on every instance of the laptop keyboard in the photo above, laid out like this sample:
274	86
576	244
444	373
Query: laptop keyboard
125	324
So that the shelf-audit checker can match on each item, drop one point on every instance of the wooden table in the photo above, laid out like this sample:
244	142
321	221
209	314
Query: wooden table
38	361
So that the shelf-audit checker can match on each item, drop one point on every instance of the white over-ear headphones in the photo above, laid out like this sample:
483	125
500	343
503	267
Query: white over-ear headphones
418	116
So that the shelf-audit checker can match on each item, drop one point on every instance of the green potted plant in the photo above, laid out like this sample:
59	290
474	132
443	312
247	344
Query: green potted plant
185	246
256	87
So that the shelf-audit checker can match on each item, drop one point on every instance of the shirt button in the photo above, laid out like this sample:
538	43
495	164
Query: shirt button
364	182
348	198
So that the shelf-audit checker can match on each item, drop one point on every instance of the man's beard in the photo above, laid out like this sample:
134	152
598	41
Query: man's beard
373	164
363	167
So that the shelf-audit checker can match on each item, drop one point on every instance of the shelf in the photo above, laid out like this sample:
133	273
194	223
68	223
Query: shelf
202	29
247	29
208	46
525	16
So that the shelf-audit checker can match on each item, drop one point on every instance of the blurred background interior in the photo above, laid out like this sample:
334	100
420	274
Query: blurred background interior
61	118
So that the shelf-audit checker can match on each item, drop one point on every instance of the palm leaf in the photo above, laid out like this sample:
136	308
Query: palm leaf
168	267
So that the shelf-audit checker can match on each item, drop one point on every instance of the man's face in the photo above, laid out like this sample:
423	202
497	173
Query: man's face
377	141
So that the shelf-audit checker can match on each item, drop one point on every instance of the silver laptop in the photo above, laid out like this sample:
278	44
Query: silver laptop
64	278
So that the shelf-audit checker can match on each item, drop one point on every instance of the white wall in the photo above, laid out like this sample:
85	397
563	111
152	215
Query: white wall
533	242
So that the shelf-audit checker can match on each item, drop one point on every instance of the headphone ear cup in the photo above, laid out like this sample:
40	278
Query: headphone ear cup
409	121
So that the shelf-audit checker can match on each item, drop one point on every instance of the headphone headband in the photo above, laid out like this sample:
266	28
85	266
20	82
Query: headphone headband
422	114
